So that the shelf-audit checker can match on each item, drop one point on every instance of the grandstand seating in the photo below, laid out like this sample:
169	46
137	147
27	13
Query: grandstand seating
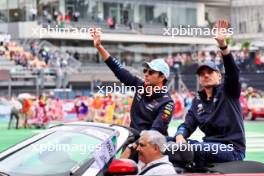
255	80
8	64
24	77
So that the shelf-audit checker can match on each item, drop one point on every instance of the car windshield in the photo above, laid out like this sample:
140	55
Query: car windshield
55	154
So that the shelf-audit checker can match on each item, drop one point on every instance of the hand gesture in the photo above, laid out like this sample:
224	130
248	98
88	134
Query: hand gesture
220	30
96	38
180	139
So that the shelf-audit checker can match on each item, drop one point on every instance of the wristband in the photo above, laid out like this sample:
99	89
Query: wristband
223	47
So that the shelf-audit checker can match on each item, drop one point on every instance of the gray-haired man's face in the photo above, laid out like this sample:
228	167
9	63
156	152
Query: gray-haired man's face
147	151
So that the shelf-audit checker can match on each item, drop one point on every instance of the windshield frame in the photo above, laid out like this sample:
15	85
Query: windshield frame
81	167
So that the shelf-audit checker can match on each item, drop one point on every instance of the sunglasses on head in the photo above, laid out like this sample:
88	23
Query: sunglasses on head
150	72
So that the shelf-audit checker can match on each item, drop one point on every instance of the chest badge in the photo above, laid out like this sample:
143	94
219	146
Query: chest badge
200	108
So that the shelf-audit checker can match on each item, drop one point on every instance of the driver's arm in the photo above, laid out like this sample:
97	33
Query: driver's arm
232	84
161	123
123	74
120	72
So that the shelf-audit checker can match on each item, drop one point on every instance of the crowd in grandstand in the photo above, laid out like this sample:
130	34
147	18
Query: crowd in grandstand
20	56
58	18
39	112
110	108
61	20
35	57
244	60
41	57
251	92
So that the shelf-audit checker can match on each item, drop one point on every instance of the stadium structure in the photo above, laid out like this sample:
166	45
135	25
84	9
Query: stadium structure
133	31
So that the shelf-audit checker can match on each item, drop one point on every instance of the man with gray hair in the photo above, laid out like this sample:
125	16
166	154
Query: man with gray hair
150	154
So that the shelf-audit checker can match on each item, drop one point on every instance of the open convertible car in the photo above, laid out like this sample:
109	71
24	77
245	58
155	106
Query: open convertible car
87	149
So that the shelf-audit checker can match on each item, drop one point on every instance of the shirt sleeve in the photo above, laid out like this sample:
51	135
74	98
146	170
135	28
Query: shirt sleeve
164	169
190	124
163	118
232	85
123	74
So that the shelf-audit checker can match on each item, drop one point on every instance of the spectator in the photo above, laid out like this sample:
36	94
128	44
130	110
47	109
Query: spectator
97	105
26	107
258	62
178	107
41	118
99	17
140	26
33	12
76	16
83	110
111	23
2	49
15	110
68	19
165	20
76	55
55	15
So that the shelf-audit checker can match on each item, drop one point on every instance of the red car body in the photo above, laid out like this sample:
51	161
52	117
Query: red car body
252	108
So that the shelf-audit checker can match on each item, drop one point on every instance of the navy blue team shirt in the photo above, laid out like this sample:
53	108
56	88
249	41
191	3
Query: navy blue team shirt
147	112
220	118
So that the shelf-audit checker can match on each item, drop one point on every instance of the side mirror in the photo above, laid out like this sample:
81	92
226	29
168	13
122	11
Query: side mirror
122	167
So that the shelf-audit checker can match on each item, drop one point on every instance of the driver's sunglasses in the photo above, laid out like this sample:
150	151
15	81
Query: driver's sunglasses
150	72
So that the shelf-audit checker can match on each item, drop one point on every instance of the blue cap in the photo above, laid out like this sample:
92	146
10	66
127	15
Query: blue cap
208	64
159	65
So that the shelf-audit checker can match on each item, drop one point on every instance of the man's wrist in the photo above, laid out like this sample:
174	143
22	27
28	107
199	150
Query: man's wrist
223	47
224	50
100	46
131	147
222	43
179	136
103	52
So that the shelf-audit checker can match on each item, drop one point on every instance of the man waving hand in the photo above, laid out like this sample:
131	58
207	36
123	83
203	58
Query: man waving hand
151	108
216	110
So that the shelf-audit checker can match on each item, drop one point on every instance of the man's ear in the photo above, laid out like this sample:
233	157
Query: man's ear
156	147
163	77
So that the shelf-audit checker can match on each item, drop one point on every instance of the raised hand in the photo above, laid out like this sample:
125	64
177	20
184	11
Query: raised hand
220	30
96	34
96	38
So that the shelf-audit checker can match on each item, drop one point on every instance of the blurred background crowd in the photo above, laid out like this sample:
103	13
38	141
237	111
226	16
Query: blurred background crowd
27	111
